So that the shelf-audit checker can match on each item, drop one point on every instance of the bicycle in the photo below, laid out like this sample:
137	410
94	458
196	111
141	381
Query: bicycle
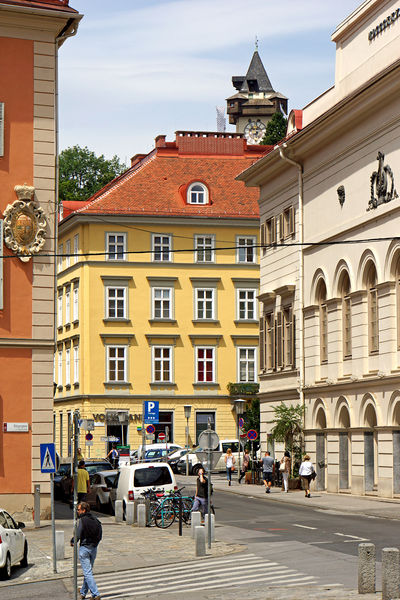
169	509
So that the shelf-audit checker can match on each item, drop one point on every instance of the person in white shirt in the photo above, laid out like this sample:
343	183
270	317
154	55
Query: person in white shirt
306	473
230	465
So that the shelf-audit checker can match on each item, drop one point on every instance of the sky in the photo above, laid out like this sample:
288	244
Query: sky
140	68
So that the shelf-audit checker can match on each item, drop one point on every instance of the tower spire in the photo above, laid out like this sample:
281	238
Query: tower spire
256	44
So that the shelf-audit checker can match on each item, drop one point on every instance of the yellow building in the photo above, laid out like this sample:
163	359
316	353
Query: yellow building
158	280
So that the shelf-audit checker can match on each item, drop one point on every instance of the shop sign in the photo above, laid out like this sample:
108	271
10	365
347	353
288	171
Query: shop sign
15	427
113	418
386	23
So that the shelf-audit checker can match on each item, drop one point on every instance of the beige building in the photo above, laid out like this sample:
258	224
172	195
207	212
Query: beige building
330	217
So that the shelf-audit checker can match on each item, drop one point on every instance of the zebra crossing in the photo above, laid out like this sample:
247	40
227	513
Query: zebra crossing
202	574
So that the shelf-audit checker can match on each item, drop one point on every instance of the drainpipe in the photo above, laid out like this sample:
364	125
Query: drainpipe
299	167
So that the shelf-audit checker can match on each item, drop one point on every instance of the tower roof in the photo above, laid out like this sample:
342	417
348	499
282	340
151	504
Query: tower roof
256	78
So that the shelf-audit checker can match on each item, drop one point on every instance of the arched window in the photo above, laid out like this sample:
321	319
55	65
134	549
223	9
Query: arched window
373	317
197	193
346	314
397	275
323	321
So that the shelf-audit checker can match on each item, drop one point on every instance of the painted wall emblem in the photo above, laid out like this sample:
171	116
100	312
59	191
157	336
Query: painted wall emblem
382	184
24	224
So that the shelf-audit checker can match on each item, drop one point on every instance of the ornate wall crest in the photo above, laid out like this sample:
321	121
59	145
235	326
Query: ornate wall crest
341	192
24	224
382	184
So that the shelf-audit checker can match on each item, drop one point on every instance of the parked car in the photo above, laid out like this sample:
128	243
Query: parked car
195	463
100	485
134	479
166	447
92	465
174	457
63	470
13	544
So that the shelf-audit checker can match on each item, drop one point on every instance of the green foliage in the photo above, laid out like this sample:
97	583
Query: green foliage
243	389
82	173
251	420
288	424
276	130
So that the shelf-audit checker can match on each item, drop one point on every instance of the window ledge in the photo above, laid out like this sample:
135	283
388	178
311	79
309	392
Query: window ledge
75	323
60	328
205	384
162	384
215	321
172	321
116	320
117	384
246	321
59	388
76	385
68	386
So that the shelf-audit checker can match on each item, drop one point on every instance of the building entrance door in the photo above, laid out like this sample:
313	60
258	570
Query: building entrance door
118	431
396	462
369	461
320	459
343	461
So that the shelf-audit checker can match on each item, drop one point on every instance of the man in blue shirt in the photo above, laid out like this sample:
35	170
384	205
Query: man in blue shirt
268	466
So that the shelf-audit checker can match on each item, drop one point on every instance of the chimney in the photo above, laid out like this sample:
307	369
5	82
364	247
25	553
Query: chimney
136	159
160	141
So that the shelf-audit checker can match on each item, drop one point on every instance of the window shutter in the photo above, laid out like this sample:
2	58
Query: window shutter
262	334
1	128
293	338
279	340
291	220
281	227
262	234
273	230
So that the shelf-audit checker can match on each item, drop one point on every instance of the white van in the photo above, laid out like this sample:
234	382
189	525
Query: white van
134	479
164	449
195	464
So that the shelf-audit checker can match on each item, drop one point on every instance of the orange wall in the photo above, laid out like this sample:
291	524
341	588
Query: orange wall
16	168
15	448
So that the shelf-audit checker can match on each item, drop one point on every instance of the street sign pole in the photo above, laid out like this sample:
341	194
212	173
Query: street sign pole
75	471
143	433
53	522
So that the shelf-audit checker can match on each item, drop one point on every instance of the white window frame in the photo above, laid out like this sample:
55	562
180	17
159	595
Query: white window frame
164	249
60	368
76	248
248	361
60	257
75	303
162	300
251	241
198	197
247	302
60	308
108	300
204	301
116	254
67	254
197	361
198	251
110	348
68	366
76	364
169	360
67	305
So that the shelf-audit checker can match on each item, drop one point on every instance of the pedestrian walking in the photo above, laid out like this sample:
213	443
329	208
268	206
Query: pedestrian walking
79	455
230	465
285	466
268	471
201	497
83	481
113	456
245	464
306	473
89	534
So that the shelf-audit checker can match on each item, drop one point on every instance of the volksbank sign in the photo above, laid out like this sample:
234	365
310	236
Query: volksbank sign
386	23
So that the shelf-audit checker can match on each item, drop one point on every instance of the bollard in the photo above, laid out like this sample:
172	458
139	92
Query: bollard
390	573
200	540
212	527
129	513
366	568
141	515
36	506
118	511
195	521
60	545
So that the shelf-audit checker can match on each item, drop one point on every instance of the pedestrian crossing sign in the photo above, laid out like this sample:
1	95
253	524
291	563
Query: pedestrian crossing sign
47	458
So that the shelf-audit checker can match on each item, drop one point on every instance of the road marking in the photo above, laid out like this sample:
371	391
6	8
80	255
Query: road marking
303	526
354	538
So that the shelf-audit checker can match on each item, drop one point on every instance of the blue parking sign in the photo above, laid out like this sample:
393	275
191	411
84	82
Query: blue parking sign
151	411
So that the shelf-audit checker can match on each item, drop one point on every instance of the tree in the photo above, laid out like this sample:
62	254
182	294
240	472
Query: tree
276	130
288	424
251	420
82	173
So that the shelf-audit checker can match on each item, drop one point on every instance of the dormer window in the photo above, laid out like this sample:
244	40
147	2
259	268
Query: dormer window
197	193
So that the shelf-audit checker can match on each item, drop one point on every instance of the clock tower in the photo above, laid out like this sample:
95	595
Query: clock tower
255	102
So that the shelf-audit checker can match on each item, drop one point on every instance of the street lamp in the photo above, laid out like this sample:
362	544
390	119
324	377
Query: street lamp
239	408
188	409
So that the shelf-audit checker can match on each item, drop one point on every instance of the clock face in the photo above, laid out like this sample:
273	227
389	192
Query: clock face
254	131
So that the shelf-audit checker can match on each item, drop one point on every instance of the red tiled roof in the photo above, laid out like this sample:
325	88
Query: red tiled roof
48	4
157	184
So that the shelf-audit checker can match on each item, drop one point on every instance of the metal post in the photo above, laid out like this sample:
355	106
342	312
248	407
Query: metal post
143	434
209	493
187	447
180	515
53	522
75	472
36	506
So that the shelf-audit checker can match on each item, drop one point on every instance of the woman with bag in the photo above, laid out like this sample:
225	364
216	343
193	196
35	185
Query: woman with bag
230	465
284	468
307	472
245	464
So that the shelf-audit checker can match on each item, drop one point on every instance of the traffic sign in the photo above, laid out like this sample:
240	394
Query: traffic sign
241	422
208	440
150	437
88	437
47	458
150	429
215	455
252	434
151	411
161	436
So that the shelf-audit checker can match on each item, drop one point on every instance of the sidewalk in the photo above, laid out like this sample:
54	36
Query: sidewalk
386	508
